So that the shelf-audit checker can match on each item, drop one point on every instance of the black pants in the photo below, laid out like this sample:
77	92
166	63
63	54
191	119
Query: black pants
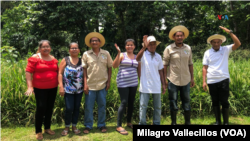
219	93
127	96
45	99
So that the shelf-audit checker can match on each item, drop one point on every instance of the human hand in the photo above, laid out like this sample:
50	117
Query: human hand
29	91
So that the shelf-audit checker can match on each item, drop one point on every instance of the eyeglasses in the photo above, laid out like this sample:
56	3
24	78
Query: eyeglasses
74	48
92	41
45	47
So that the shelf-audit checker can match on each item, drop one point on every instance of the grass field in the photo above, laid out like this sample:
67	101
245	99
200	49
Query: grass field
22	133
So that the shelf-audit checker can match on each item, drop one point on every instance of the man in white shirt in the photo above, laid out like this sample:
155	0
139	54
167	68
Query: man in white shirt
151	79
215	68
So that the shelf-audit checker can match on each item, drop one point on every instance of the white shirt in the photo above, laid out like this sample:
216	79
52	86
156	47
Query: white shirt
150	81
217	62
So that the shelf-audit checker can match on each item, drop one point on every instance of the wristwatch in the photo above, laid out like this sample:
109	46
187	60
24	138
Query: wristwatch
231	31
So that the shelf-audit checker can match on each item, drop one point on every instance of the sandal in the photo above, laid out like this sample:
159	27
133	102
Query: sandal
86	130
49	131
122	131
39	136
103	129
130	125
64	132
76	131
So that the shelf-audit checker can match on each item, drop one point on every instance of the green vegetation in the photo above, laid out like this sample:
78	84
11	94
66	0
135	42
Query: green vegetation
16	108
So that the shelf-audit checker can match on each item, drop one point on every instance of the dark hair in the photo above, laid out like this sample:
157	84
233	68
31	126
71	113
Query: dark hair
40	43
129	40
72	44
178	31
94	37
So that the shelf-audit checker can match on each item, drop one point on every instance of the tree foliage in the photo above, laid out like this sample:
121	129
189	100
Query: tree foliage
61	22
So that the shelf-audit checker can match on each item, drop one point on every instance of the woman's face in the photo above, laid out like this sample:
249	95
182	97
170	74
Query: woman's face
74	50
130	47
45	49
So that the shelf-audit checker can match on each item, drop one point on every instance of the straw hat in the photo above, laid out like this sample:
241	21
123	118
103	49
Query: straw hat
152	39
216	36
94	34
178	28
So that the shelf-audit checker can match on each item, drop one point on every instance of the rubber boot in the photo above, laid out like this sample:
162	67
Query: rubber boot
173	117
217	115
187	115
225	113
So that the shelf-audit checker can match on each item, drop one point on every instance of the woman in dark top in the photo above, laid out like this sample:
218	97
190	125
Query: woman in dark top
71	87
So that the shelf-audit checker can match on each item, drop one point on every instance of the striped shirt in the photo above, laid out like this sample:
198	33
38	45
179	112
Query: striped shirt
127	74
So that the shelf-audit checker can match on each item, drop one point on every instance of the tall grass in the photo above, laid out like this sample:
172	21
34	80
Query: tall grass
16	108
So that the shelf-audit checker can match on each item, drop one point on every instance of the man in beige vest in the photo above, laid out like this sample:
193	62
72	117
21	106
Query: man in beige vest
178	70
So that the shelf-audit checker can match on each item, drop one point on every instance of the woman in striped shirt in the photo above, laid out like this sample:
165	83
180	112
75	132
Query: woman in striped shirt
127	81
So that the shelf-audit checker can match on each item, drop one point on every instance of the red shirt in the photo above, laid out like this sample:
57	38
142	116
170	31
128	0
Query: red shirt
45	73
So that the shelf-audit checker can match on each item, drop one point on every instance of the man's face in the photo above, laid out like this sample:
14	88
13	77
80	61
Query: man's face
95	43
152	46
216	44
179	37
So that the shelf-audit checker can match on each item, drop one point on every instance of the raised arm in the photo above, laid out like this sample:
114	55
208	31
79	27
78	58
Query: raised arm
237	42
139	70
140	54
118	57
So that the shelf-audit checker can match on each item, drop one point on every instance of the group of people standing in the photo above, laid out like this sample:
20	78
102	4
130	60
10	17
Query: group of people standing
91	75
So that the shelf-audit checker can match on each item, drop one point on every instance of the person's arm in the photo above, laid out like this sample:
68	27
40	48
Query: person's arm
60	77
118	57
110	62
162	81
30	89
165	75
165	60
191	70
139	70
30	68
109	77
85	76
86	88
204	74
140	54
237	42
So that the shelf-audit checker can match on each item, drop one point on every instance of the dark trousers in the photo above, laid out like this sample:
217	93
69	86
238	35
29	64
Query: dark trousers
45	99
184	94
127	96
72	103
219	93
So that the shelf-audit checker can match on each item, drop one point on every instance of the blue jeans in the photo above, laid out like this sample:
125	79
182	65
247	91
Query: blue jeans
184	94
100	97
144	98
72	103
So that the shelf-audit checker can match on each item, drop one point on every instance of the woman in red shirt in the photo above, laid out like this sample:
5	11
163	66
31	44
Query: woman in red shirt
42	80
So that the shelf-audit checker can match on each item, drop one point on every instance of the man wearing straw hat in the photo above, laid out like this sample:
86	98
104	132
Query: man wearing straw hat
151	79
178	69
215	68
97	64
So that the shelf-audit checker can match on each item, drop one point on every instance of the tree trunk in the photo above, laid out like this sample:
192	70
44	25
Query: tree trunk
235	25
97	25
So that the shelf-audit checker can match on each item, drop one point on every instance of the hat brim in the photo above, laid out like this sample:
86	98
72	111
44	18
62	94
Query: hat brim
216	36
157	43
94	34
176	29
